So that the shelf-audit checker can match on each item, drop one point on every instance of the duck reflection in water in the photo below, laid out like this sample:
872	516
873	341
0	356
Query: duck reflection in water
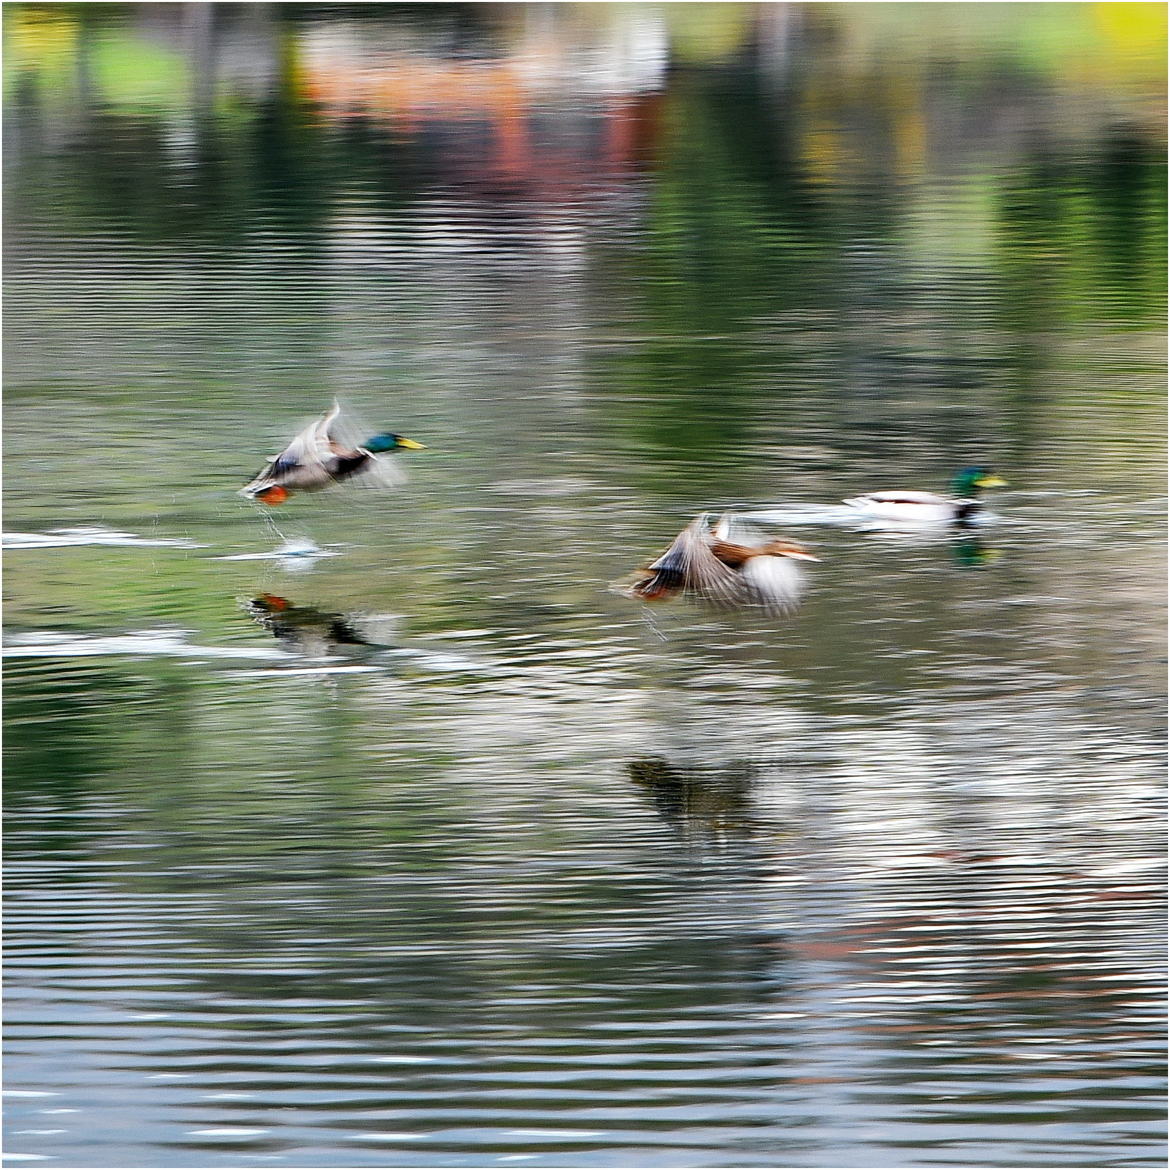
729	565
716	801
972	553
966	549
314	633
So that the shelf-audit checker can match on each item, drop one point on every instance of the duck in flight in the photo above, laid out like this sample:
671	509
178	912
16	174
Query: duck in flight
316	459
727	565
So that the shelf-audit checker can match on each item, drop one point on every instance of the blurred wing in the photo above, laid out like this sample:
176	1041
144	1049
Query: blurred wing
304	459
776	583
346	435
379	471
342	430
690	562
312	445
735	530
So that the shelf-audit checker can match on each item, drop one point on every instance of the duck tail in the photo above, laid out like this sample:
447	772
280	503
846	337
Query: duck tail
659	585
252	489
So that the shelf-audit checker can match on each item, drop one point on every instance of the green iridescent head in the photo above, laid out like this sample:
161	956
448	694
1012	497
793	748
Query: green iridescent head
972	480
389	442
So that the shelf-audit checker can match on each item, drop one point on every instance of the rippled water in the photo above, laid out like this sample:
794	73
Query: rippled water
379	829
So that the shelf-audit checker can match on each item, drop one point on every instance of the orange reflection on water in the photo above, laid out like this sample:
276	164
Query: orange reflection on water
496	102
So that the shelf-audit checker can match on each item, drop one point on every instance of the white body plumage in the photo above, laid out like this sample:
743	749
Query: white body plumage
909	507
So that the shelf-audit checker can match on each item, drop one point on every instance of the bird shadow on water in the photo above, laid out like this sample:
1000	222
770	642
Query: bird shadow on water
703	803
319	644
314	633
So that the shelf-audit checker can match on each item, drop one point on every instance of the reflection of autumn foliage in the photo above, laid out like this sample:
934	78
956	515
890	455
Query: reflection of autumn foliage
526	133
409	90
892	89
771	136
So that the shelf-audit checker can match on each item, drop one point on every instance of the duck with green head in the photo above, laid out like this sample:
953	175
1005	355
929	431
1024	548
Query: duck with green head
316	459
911	507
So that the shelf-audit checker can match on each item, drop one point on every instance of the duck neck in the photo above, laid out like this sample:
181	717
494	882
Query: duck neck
966	509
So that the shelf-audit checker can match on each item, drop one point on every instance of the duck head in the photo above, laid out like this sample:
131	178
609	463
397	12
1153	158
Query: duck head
391	442
972	480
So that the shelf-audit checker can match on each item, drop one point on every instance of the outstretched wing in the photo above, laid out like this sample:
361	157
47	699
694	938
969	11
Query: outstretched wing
312	447
355	464
304	462
378	471
689	564
734	529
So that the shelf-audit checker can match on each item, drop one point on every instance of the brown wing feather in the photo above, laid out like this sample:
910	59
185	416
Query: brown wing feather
690	565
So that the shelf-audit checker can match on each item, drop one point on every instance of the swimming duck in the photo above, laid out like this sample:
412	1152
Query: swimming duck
928	508
727	565
315	459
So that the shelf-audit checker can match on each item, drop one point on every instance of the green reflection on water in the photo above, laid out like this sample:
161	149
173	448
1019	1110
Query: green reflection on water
805	250
827	269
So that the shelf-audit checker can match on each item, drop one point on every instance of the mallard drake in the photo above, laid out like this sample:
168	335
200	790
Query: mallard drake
316	459
727	565
928	508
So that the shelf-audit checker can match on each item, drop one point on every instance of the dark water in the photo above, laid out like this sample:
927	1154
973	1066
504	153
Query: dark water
453	856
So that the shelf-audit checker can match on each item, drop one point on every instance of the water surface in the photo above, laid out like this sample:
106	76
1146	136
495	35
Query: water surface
378	829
